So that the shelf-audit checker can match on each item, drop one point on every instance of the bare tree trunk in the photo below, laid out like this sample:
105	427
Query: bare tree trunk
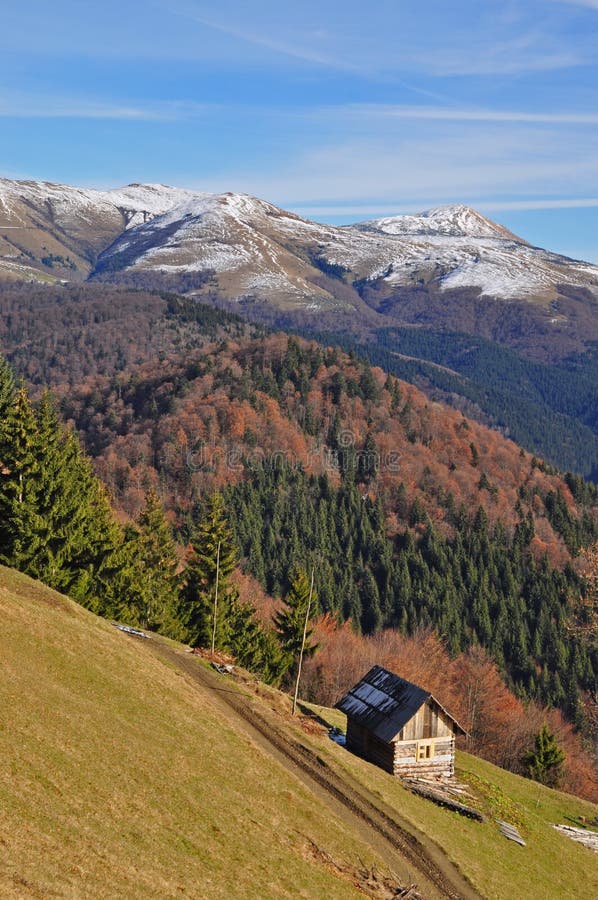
311	588
216	597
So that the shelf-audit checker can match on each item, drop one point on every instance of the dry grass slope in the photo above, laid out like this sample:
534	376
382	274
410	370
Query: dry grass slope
119	780
550	865
123	777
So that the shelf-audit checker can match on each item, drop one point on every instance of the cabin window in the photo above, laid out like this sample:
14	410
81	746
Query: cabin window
425	750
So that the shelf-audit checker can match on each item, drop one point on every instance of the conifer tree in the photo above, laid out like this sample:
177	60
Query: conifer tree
212	551
55	519
290	622
67	520
544	763
151	599
7	390
19	482
254	645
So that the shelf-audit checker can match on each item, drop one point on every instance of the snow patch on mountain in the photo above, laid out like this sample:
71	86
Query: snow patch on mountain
452	221
253	246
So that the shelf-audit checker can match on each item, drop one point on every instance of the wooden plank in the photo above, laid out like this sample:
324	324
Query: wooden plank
582	835
510	832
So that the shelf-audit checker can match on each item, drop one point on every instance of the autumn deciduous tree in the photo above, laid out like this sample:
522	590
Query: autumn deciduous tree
500	727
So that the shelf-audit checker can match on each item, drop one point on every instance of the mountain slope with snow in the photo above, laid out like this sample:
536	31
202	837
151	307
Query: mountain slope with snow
259	251
56	232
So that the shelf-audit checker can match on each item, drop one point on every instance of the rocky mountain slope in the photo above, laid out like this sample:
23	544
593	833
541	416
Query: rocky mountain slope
258	250
51	231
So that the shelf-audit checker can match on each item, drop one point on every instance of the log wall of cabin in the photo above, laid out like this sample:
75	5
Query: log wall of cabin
407	761
367	745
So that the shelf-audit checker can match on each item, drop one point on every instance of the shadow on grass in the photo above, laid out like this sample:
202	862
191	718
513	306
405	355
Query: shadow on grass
309	713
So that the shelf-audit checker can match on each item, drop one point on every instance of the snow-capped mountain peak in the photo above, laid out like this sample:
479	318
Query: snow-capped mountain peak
454	221
255	249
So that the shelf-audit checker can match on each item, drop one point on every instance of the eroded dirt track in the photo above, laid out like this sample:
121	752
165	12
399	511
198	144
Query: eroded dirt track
411	857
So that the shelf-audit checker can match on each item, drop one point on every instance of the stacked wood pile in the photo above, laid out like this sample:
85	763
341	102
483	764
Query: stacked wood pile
447	792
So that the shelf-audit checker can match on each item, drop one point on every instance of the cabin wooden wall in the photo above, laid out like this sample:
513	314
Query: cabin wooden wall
408	760
428	722
402	758
365	744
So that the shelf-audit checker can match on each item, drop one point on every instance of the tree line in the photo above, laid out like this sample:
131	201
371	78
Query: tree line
57	525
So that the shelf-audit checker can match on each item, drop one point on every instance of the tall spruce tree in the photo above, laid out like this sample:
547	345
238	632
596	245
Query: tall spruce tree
151	599
55	520
213	557
290	623
253	644
71	526
19	482
7	390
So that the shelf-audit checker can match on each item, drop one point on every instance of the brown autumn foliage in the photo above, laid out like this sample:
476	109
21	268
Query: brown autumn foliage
585	611
193	423
499	727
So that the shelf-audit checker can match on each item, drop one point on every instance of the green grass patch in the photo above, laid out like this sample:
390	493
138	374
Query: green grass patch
119	777
496	867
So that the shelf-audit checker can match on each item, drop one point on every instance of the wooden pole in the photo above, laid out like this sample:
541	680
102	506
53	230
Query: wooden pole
311	589
216	597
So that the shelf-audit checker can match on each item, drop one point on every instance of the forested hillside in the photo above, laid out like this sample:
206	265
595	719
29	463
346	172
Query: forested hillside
60	335
528	382
549	408
410	516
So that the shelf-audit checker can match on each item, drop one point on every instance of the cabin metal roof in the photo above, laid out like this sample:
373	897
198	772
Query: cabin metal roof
384	702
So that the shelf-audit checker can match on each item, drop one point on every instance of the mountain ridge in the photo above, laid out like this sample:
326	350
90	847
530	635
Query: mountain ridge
448	271
257	248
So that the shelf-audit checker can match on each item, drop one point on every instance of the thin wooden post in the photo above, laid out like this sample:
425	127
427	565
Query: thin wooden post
216	597
311	588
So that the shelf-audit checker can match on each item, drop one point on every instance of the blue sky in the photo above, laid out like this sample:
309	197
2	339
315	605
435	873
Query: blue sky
339	110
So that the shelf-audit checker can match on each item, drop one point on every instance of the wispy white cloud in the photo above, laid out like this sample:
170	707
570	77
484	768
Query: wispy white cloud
42	106
486	206
462	114
465	163
283	48
521	55
525	205
36	105
591	4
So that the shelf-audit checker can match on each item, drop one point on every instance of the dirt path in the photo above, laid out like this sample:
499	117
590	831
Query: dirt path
411	857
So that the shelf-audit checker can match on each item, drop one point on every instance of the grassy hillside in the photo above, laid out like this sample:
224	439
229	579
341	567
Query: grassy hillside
119	779
497	867
124	776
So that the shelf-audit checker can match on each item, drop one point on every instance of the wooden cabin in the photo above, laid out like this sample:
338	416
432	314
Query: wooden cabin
399	726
